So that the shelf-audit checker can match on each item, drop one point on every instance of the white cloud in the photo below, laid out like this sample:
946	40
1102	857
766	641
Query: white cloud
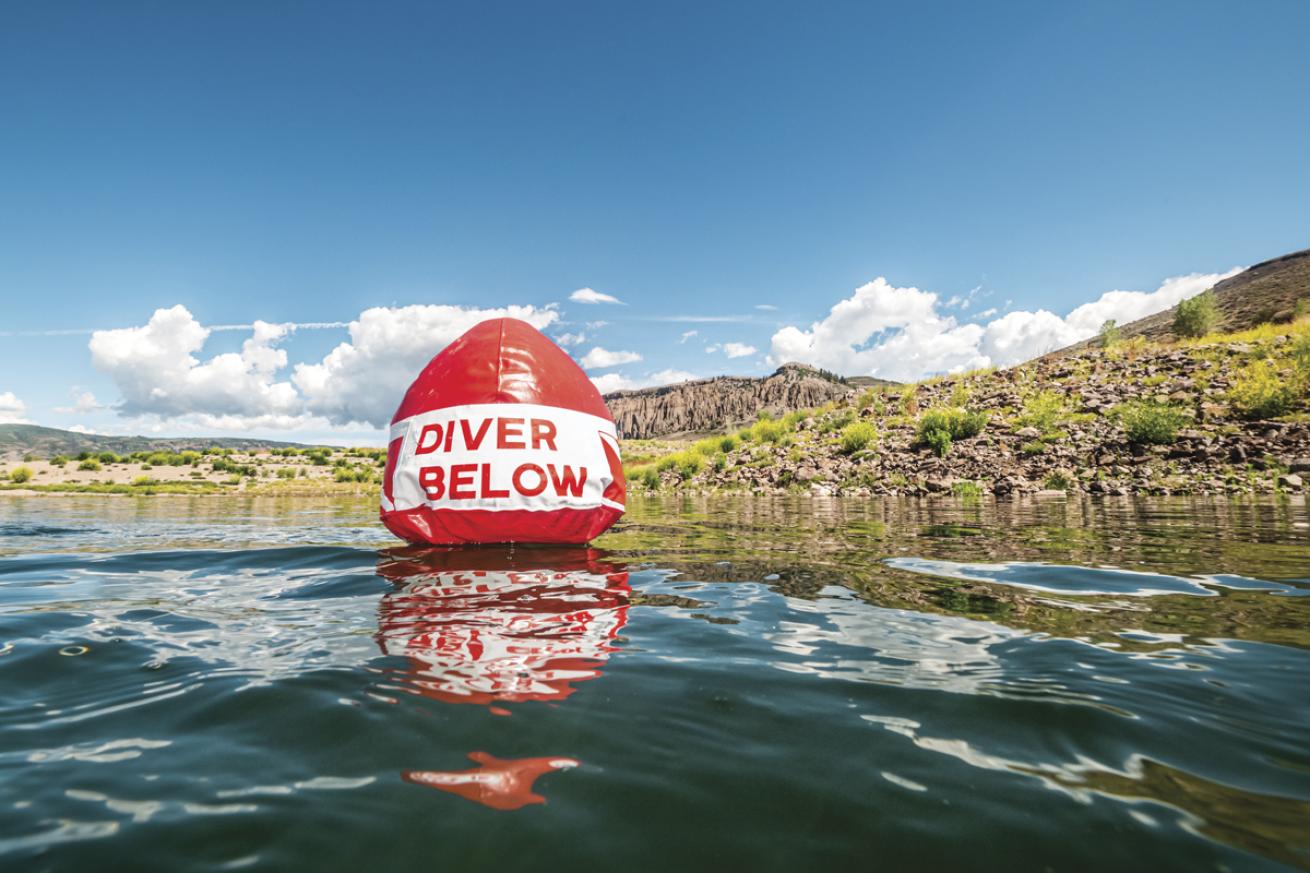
669	377
83	402
591	295
12	409
597	325
903	334
732	350
363	380
686	335
767	307
611	382
571	339
598	358
157	370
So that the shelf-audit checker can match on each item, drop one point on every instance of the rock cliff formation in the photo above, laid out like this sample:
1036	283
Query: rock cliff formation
706	405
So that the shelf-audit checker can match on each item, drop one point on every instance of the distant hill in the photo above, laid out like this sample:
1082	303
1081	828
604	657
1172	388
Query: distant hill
1265	292
706	405
20	439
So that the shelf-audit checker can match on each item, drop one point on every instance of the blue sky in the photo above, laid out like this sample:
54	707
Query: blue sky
308	162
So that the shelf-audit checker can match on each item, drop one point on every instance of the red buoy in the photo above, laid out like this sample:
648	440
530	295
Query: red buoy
502	438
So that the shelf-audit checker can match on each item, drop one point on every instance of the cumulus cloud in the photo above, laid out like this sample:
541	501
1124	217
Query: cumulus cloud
159	373
12	409
83	402
591	295
732	350
571	339
599	359
610	382
904	334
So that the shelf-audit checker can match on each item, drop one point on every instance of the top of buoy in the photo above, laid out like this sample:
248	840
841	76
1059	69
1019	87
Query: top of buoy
502	360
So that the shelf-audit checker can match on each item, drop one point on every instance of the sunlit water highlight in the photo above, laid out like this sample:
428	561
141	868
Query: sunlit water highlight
217	683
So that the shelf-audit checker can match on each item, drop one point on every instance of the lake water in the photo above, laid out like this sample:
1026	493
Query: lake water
720	684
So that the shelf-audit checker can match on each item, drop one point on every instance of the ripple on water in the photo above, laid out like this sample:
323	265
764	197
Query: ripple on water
785	702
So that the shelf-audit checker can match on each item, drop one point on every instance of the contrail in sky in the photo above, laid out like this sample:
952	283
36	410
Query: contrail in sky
87	331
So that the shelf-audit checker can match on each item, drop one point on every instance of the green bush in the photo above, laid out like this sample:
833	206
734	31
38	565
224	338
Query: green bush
109	458
856	436
937	440
286	473
1151	423
142	480
1042	410
938	428
728	443
689	464
354	474
1260	392
837	421
1196	316
708	447
90	465
768	431
649	477
20	475
1059	480
1109	333
58	461
1301	356
966	488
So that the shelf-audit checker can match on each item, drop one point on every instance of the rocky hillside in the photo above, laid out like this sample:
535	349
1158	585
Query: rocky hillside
1222	415
1266	292
707	405
21	439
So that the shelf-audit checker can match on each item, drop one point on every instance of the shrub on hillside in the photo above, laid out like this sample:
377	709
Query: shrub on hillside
1042	410
20	475
856	436
767	430
1260	392
1149	423
1196	316
940	427
90	464
688	464
1109	333
1301	357
58	461
728	443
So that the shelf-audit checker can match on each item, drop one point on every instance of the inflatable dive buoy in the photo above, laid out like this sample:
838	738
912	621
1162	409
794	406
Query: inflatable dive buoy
502	438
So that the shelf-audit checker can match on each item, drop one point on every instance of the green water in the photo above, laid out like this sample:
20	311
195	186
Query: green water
218	684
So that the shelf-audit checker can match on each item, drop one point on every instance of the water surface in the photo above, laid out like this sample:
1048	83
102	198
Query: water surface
214	683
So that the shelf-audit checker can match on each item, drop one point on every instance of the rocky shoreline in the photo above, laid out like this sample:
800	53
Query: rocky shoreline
1136	418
